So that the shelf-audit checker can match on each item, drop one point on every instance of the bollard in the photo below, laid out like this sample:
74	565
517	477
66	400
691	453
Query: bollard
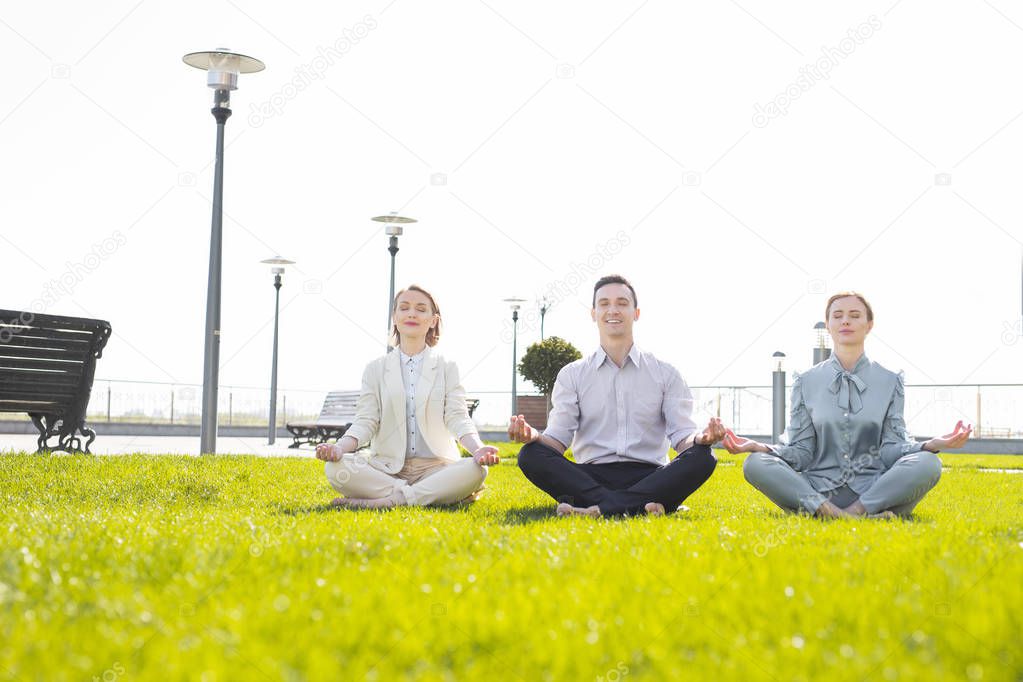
821	352
778	401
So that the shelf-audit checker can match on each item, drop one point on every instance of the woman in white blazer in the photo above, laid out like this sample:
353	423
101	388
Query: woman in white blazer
412	403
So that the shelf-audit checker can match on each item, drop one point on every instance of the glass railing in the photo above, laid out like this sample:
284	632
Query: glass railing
995	410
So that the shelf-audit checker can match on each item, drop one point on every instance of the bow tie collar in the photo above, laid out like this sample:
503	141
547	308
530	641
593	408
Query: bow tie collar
848	387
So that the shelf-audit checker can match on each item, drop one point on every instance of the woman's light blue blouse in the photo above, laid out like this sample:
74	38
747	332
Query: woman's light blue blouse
846	428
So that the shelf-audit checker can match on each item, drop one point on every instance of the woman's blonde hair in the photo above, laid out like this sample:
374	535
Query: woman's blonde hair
844	294
433	335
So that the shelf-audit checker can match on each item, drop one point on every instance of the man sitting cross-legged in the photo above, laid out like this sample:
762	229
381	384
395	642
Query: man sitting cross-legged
619	408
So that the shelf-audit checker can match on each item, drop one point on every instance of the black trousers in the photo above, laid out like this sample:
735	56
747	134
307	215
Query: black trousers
617	487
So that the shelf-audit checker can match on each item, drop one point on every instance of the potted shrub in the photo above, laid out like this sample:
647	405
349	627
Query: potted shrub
541	363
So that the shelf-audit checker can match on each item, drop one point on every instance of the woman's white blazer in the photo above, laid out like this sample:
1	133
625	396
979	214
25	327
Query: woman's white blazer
380	418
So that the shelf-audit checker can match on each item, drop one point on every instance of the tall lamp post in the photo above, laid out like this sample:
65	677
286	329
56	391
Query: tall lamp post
778	401
277	270
222	67
393	229
515	304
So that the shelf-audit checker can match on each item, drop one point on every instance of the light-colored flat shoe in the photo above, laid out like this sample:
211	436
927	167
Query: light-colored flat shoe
357	503
473	496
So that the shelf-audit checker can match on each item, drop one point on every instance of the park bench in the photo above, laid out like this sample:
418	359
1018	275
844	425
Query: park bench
337	415
47	364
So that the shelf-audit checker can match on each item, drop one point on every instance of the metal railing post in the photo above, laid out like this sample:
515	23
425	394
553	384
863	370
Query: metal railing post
980	431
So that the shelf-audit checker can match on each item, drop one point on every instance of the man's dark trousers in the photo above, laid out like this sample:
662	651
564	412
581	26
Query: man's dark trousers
617	487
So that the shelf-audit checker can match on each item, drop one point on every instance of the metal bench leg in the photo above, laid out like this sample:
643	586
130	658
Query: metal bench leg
46	430
90	434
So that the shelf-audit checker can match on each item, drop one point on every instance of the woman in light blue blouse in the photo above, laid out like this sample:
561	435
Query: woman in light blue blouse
848	453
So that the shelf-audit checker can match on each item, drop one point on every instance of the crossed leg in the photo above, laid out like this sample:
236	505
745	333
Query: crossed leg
419	483
616	488
897	490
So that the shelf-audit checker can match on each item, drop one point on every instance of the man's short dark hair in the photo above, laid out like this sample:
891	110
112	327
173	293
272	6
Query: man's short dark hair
614	279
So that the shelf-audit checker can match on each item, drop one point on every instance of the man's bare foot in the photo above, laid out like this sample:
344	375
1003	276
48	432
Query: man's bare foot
856	509
830	510
654	509
887	514
565	509
360	503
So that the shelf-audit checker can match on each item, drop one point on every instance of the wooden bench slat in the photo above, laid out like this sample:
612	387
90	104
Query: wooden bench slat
340	414
54	393
46	334
64	367
33	406
22	388
28	341
23	318
30	378
79	353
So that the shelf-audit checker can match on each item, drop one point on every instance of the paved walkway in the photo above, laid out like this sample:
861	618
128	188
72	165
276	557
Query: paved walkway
226	445
120	445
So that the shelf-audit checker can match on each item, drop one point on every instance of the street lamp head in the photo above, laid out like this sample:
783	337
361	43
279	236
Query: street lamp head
279	263
514	303
393	217
393	223
277	260
223	66
778	360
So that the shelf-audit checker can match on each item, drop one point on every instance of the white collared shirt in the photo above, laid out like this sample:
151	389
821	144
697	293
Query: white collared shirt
620	414
411	370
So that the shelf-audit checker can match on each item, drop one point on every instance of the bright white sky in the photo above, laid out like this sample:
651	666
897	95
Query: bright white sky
557	128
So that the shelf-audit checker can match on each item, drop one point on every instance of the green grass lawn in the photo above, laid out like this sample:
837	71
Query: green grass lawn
230	567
